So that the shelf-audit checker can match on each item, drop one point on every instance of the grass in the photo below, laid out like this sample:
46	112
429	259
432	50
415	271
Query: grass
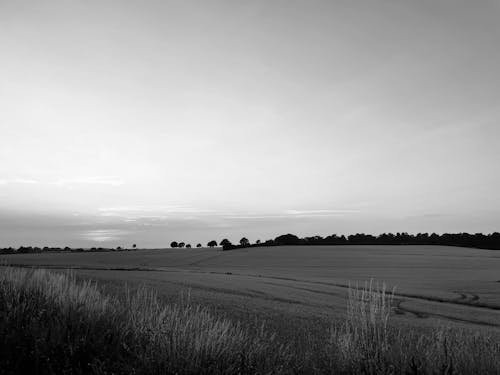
367	344
50	323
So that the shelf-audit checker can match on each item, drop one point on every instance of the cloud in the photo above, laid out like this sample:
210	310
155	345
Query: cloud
255	217
103	235
94	180
319	212
289	214
18	181
153	212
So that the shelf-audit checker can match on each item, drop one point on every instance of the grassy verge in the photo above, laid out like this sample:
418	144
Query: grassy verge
52	324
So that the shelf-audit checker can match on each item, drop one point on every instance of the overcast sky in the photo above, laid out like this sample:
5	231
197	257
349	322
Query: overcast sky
151	121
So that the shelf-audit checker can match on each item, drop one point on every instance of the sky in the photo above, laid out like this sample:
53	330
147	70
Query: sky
151	121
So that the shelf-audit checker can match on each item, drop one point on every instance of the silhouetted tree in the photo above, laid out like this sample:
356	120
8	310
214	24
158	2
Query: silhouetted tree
174	244
181	244
244	242
199	245
287	239
212	243
188	246
257	242
134	246
225	242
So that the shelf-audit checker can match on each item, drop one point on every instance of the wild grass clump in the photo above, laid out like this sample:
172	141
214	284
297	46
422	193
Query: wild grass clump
368	311
361	344
50	324
368	344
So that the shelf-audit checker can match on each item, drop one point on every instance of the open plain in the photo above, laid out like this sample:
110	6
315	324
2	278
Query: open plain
433	285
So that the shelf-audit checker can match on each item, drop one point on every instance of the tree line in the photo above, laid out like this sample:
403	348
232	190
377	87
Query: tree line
46	249
477	240
213	243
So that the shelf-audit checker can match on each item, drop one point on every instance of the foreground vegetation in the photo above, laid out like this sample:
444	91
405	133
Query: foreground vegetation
51	323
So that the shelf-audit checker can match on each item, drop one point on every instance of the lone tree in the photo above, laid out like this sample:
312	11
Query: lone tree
244	242
174	244
182	244
134	246
212	243
188	246
225	242
199	245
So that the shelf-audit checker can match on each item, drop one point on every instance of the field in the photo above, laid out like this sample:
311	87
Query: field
434	285
276	310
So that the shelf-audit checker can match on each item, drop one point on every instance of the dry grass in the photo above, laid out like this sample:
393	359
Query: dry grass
368	311
367	344
51	324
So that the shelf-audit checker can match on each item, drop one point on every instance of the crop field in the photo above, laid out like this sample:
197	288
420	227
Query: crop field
434	285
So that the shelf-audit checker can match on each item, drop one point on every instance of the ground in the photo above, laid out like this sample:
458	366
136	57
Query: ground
434	285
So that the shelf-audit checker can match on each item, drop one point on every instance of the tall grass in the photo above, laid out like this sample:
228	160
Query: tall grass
367	344
368	311
52	324
49	324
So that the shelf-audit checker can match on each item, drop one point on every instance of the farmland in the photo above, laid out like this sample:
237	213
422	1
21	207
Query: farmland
434	285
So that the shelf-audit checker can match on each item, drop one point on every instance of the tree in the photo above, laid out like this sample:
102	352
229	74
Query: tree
199	245
244	242
212	243
181	244
134	246
174	244
257	242
188	246
225	242
287	239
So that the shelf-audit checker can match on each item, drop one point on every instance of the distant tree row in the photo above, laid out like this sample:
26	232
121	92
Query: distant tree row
224	243
36	249
175	244
477	240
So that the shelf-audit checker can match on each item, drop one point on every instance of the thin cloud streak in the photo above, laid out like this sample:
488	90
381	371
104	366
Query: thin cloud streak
95	180
103	235
180	211
320	212
18	181
153	212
